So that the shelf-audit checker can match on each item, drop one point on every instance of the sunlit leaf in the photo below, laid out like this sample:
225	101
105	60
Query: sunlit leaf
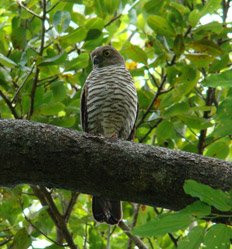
6	61
73	37
213	197
21	240
163	224
56	60
218	149
218	236
193	240
135	53
223	79
61	20
160	25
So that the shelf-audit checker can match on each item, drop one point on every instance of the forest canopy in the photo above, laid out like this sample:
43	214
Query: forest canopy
179	55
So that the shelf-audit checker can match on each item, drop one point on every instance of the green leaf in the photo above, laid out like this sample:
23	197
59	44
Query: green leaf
197	208
160	25
193	240
18	34
218	149
82	61
186	81
179	46
61	20
200	60
111	5
95	239
5	61
73	37
165	130
51	108
59	90
56	60
21	240
95	23
213	197
218	237
205	46
209	7
93	34
106	6
194	17
223	79
215	27
134	53
195	122
153	6
64	121
176	109
166	223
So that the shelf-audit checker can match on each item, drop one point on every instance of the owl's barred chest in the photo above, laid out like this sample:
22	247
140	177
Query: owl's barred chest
111	102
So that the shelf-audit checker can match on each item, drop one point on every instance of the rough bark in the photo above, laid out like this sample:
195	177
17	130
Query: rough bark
42	154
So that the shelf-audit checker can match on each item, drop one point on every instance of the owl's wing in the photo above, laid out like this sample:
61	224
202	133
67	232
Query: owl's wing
132	134
84	116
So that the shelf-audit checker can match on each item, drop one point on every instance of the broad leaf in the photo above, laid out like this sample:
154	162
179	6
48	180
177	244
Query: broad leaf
167	223
218	236
223	79
61	20
5	61
160	25
213	197
193	240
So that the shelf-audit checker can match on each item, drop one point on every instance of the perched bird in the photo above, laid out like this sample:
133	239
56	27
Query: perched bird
108	108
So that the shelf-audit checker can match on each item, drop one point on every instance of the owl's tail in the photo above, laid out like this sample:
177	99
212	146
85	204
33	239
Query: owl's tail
105	210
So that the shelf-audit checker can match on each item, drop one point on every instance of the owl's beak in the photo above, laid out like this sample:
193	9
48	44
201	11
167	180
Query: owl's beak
97	60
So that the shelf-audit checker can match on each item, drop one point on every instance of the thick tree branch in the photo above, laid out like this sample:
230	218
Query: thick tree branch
56	157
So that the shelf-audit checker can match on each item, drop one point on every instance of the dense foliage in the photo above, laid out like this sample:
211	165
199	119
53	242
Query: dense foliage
179	53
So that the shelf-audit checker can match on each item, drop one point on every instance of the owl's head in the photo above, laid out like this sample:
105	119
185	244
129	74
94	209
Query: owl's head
105	56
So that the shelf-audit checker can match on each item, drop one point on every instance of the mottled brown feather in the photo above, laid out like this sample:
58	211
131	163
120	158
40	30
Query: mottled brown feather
84	114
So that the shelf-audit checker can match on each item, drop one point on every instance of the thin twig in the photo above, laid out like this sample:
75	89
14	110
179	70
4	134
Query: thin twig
21	86
150	130
138	242
70	206
36	228
225	8
159	91
6	241
46	200
135	217
108	237
153	101
29	10
9	104
34	86
53	7
209	100
112	20
151	76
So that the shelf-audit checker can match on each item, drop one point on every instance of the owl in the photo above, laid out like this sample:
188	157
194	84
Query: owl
109	107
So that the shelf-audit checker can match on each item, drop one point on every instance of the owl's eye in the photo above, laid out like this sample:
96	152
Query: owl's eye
106	53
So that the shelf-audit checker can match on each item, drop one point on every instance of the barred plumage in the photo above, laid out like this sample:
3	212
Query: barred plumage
108	108
111	102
